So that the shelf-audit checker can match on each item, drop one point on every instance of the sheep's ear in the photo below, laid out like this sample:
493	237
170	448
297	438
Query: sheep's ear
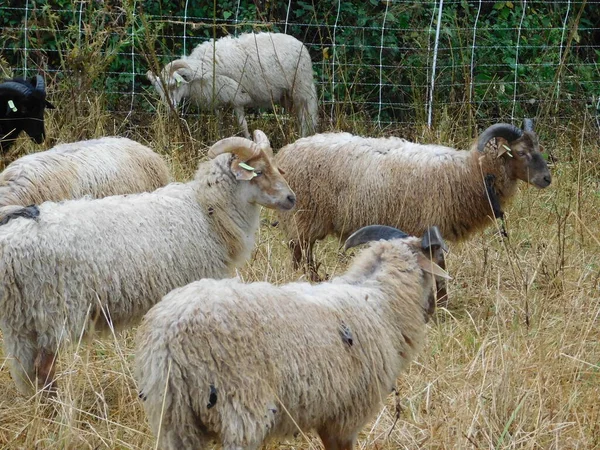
430	267
242	171
503	148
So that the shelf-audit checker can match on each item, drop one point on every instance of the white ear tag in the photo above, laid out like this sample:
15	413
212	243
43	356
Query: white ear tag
243	165
12	106
508	150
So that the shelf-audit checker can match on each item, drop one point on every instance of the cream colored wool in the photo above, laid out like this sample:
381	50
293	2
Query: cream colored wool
96	167
252	70
275	354
344	182
81	260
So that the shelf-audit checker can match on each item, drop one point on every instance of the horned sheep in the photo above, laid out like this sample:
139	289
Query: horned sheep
22	106
96	167
252	70
244	363
345	182
96	264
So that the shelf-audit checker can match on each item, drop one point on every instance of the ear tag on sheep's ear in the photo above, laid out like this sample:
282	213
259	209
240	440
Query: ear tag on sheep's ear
505	149
249	168
12	106
178	79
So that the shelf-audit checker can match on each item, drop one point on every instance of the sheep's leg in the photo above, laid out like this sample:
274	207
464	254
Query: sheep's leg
300	249
22	350
241	118
45	370
333	442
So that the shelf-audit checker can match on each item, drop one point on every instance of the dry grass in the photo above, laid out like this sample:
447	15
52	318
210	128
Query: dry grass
512	363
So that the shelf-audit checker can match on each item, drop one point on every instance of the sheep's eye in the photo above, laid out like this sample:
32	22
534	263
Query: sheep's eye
521	153
258	172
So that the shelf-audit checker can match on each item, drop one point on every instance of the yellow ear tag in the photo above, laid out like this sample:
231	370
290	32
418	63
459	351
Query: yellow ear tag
508	150
243	165
12	106
178	79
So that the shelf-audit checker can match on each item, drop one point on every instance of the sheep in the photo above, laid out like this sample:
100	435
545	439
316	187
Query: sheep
96	167
22	106
252	70
99	264
244	363
344	182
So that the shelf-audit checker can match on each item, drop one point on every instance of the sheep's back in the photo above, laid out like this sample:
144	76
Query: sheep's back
267	65
286	345
344	182
98	167
123	252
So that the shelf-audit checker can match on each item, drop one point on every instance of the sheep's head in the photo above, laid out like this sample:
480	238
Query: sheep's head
521	151
174	82
24	102
253	165
429	252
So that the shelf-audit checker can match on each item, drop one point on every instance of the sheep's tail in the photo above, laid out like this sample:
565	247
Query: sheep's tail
163	390
7	213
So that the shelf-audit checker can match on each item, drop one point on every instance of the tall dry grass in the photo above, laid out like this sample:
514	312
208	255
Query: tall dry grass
513	362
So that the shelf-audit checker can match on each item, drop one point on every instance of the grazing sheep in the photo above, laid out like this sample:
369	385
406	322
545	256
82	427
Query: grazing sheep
244	363
86	264
97	167
345	182
254	69
22	105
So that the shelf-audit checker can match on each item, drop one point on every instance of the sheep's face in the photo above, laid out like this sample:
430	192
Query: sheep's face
175	82
266	185
31	109
527	162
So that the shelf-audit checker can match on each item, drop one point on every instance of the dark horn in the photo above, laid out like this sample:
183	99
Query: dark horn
40	84
15	88
503	130
433	237
527	124
373	233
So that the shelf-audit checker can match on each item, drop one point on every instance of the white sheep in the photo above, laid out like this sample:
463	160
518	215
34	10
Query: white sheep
344	182
96	167
244	363
90	264
252	70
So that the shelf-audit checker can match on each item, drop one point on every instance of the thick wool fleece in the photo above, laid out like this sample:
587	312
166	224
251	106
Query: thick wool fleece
240	361
97	167
115	257
344	182
255	69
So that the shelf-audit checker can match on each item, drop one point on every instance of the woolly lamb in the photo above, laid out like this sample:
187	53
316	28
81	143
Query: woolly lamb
98	168
345	182
244	363
252	70
22	105
86	264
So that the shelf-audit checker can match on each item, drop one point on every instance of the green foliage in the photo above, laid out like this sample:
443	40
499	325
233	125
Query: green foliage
523	63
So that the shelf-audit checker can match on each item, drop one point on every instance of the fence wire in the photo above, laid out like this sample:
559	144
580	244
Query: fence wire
390	62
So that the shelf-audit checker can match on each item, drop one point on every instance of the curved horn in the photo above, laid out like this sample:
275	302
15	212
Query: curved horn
527	124
373	233
262	141
15	88
244	148
40	84
503	130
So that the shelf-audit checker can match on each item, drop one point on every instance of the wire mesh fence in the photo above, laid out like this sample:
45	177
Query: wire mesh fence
388	62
